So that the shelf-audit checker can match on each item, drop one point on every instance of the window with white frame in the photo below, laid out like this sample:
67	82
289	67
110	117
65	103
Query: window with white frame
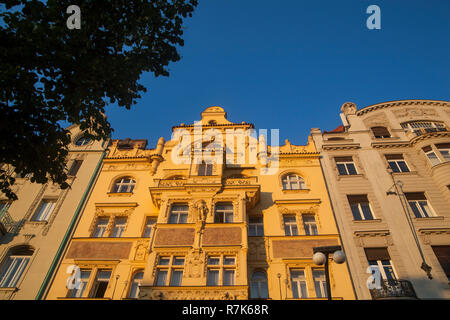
149	223
259	286
125	184
397	163
310	224
14	265
427	126
298	283
223	213
169	271
379	258
85	274
444	149
100	227
221	270
100	284
431	155
345	166
290	225
134	285
320	283
179	213
293	182
44	210
419	204
256	226
360	207
119	227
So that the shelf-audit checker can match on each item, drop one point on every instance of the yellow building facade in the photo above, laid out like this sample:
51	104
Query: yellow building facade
214	213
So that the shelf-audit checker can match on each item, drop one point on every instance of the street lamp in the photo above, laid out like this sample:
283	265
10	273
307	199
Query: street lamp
320	257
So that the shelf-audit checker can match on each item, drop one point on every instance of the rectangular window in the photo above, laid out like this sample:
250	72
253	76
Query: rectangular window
100	227
443	255
12	270
397	163
84	279
381	132
221	270
380	259
320	283
44	210
298	282
310	225
290	225
101	283
179	214
212	277
76	164
4	205
360	207
228	277
444	149
205	169
223	213
345	166
431	155
149	222
169	271
256	226
419	204
119	226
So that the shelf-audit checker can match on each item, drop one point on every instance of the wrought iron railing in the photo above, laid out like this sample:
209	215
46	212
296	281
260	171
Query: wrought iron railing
421	131
394	289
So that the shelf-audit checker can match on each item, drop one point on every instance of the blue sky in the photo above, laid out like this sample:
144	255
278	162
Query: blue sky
290	65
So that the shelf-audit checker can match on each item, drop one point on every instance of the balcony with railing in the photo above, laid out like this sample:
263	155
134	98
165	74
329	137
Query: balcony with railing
394	289
418	128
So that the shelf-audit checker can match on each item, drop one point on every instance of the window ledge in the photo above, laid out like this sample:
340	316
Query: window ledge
404	173
350	175
429	218
36	223
120	194
367	221
296	190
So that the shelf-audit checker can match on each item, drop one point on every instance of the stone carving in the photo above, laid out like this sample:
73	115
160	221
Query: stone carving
348	108
194	265
203	210
414	112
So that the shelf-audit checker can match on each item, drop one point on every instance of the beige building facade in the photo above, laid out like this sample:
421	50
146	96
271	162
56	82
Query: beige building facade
36	227
387	170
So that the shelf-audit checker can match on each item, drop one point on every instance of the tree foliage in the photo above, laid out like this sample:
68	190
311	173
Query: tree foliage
49	73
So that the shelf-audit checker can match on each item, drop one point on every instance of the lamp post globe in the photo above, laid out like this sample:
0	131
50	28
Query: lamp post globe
319	258
339	257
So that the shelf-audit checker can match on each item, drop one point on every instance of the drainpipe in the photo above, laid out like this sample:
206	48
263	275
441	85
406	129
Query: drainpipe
63	244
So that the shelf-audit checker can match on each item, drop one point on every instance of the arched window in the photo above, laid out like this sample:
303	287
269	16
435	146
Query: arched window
14	265
293	181
82	141
258	286
125	184
134	285
205	169
380	132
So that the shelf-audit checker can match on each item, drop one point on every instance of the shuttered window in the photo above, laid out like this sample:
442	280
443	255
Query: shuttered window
381	132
